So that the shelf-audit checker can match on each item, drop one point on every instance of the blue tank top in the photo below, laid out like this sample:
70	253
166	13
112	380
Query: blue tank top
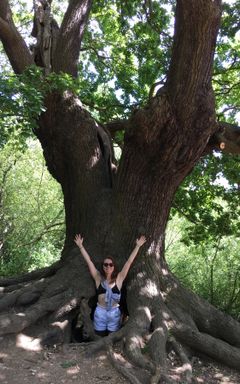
111	294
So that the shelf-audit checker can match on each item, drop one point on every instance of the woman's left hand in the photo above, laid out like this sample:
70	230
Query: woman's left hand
79	240
141	241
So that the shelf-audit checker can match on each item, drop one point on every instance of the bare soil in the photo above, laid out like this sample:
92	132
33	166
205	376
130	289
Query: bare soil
23	362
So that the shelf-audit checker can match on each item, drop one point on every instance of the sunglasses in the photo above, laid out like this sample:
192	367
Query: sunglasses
108	264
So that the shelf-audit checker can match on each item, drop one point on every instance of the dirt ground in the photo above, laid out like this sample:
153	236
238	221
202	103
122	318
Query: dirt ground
22	362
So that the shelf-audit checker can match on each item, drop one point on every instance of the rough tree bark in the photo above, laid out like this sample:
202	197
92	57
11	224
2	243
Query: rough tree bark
163	141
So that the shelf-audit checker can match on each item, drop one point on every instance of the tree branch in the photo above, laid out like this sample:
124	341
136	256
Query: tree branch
45	30
13	43
226	139
116	125
68	45
190	73
45	231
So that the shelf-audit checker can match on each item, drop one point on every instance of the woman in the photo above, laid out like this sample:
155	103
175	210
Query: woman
107	316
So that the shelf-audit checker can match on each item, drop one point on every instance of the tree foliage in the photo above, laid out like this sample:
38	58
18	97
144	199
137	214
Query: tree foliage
208	265
32	227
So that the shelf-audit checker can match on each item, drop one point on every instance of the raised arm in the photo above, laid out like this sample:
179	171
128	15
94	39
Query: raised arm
123	273
92	269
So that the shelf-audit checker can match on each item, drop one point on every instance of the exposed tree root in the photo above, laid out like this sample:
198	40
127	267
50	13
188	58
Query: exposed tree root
38	274
157	346
159	319
134	344
16	322
11	288
123	367
187	366
87	323
155	325
102	343
50	300
199	314
215	348
26	294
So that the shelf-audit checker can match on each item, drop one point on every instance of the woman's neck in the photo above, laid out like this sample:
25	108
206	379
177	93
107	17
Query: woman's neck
108	278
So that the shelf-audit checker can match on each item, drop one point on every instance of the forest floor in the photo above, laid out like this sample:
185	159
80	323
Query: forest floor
21	362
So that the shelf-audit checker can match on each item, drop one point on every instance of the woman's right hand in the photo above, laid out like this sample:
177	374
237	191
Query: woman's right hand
79	240
142	239
92	269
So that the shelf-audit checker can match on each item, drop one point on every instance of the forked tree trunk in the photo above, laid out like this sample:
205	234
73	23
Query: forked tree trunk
163	141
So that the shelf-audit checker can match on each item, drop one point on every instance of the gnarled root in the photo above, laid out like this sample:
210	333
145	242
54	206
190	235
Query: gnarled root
160	324
85	312
123	366
44	303
209	345
186	364
162	315
157	343
11	283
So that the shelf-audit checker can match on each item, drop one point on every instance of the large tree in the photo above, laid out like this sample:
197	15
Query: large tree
163	140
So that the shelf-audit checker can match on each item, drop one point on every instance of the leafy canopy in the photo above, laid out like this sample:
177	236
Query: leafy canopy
126	50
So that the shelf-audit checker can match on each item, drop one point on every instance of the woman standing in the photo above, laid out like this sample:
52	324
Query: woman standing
107	316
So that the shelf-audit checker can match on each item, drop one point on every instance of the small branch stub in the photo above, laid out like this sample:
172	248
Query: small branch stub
45	29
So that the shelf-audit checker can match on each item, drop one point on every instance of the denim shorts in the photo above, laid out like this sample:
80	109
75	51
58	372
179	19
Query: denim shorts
107	319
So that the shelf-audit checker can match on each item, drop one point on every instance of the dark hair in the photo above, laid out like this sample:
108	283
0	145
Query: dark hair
115	271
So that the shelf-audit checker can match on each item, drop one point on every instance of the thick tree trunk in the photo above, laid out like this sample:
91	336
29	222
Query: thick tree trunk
110	213
69	137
